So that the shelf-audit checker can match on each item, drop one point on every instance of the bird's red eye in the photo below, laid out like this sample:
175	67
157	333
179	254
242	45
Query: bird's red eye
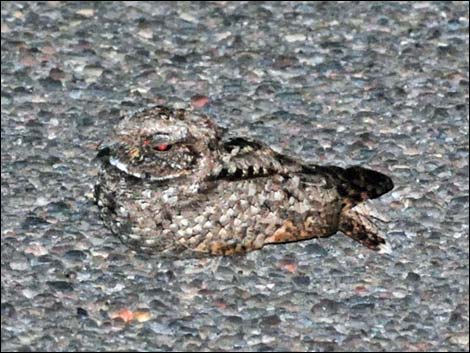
162	147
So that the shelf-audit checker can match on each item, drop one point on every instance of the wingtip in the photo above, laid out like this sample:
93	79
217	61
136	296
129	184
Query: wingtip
370	184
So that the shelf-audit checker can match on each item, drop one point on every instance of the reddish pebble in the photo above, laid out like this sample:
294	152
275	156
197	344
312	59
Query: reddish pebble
124	314
290	266
28	60
199	101
220	304
360	290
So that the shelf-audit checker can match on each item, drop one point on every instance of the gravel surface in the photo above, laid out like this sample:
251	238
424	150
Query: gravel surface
383	85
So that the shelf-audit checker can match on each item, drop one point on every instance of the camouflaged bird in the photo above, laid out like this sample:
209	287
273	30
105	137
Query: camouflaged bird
172	183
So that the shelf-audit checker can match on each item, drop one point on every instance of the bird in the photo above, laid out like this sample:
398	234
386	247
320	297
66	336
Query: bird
172	182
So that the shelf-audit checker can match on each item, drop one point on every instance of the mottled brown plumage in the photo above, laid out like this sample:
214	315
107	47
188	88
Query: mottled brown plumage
172	183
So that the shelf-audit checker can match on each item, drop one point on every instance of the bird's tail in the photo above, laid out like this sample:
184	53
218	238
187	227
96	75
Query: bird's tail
358	220
359	223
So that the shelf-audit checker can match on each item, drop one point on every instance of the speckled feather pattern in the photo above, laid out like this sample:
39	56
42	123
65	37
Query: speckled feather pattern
172	183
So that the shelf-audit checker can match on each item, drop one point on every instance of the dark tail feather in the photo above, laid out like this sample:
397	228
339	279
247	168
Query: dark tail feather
359	184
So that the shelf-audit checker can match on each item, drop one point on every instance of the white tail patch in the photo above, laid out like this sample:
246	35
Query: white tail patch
385	249
371	212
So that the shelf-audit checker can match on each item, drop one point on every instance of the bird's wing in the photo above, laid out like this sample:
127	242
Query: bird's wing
243	158
355	184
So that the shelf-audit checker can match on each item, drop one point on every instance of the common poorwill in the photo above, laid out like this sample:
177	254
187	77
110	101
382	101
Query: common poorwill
171	182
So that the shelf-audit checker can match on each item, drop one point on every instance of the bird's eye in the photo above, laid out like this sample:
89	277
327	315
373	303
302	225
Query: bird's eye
162	147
